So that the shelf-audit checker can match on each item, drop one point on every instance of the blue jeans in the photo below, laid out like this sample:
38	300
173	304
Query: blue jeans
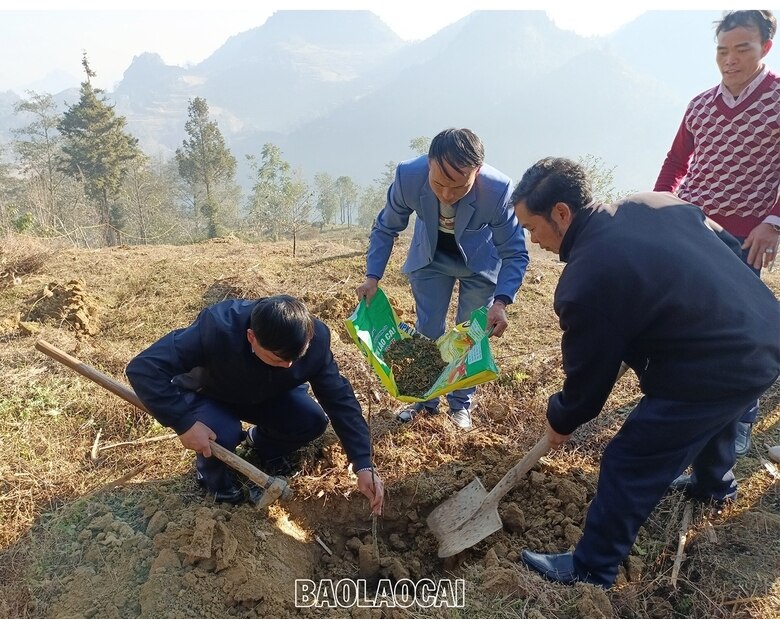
284	424
432	288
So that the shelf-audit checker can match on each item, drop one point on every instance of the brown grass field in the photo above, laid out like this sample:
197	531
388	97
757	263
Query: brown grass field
130	535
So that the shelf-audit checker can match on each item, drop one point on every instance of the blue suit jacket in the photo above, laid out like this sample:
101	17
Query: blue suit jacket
486	229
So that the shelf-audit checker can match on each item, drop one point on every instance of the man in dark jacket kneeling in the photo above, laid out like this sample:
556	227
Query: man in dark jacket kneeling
251	361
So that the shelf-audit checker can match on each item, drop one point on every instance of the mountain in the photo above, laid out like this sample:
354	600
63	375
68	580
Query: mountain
532	90
297	66
594	104
339	92
54	81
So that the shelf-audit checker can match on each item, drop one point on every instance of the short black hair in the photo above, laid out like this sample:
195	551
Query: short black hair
763	21
552	180
460	148
283	325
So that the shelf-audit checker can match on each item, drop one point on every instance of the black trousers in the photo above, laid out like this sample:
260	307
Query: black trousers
657	442
284	424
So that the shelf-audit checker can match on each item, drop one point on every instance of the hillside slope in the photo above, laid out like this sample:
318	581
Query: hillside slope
73	544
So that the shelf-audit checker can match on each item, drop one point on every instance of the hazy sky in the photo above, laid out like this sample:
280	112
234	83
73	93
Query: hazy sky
41	37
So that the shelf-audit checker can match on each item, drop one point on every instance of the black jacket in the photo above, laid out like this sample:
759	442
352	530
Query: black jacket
655	287
215	346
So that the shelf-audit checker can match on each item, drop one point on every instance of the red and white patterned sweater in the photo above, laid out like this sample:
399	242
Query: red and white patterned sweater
729	158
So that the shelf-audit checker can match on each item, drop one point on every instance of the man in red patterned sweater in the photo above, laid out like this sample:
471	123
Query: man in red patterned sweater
725	157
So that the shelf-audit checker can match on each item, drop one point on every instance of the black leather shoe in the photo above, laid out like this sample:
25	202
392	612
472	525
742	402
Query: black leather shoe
255	493
283	466
743	441
558	568
687	484
233	495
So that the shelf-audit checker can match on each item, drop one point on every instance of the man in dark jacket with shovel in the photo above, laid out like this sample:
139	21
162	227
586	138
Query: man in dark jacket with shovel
649	282
250	361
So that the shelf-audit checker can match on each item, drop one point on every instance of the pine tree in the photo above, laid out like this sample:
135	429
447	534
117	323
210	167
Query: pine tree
205	163
98	152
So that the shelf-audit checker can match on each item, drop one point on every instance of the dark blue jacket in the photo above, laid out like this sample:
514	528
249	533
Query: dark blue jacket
215	346
653	286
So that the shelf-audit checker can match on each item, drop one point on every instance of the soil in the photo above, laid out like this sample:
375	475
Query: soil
67	304
416	364
75	546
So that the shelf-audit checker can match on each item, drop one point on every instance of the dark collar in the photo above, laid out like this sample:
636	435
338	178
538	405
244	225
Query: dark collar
567	243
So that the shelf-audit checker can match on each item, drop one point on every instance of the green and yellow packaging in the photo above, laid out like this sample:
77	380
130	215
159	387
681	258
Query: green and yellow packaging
465	348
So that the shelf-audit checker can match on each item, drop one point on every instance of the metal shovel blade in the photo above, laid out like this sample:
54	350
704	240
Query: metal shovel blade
459	522
472	514
456	510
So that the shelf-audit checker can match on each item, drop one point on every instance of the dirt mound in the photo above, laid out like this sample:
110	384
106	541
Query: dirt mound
220	562
333	308
165	555
247	286
69	304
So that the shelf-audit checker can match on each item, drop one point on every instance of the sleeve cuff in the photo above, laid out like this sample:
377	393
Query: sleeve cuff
503	298
361	463
183	424
773	220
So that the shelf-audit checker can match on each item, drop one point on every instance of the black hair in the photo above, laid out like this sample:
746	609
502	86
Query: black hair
460	148
763	21
552	180
283	325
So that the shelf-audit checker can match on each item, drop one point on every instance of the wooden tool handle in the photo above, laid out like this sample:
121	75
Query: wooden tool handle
239	464
105	381
518	471
127	394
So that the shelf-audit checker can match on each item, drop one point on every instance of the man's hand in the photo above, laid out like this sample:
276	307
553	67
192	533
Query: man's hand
367	289
556	440
373	490
197	438
496	318
762	243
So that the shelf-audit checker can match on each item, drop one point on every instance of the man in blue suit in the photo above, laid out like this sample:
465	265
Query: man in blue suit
466	231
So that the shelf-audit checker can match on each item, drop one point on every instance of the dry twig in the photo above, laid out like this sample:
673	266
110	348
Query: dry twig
324	546
686	519
93	455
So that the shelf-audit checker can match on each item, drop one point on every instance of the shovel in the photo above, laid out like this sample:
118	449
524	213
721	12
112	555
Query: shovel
472	514
274	487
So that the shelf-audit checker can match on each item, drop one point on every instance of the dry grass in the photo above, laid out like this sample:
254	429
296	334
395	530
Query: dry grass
49	417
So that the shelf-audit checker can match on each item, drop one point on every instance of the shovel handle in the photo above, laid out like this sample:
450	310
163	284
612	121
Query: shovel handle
127	394
518	471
